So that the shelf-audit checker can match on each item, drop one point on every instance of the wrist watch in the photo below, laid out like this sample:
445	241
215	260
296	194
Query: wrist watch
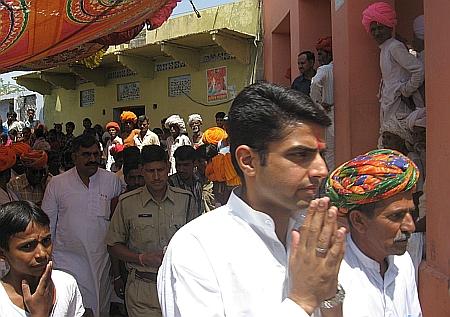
336	300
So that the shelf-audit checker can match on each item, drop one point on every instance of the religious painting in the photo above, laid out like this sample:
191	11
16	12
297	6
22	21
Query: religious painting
217	86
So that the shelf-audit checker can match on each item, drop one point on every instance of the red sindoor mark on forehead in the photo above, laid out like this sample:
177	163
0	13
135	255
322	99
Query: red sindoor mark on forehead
320	144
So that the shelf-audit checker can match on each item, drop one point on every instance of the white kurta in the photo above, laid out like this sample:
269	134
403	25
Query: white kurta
79	219
322	92
227	262
402	74
109	145
172	145
367	294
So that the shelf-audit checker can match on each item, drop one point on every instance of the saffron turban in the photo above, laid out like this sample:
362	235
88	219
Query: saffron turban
380	12
194	117
176	120
419	27
21	148
114	125
128	116
325	44
417	118
7	157
370	177
35	159
214	135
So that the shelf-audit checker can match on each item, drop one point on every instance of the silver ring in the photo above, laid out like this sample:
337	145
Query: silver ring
321	250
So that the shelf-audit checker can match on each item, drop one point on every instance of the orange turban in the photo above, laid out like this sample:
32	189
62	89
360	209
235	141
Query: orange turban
7	157
214	135
36	159
114	125
128	116
325	44
21	148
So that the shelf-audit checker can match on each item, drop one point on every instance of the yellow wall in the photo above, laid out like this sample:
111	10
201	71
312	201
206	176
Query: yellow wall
242	16
152	91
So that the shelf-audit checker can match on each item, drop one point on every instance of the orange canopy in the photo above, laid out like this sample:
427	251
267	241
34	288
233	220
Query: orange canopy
45	33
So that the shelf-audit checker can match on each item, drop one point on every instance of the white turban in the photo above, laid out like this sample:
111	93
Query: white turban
194	117
419	27
177	120
417	118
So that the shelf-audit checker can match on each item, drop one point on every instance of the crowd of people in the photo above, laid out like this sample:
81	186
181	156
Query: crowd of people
120	221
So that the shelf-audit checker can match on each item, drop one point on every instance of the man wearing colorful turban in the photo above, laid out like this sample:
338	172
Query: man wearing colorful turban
177	138
322	91
31	185
374	192
195	122
7	161
402	73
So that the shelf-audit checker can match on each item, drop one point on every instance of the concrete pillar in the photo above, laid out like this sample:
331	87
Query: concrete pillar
434	284
356	81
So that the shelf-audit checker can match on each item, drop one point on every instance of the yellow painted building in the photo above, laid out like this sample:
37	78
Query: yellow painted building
189	65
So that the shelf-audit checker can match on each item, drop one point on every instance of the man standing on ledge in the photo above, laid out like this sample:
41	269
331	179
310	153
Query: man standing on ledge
374	192
305	62
234	261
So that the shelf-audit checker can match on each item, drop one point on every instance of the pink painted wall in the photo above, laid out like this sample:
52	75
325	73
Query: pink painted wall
308	21
435	274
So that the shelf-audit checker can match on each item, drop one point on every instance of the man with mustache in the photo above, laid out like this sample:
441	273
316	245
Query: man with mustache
374	192
144	221
402	74
78	205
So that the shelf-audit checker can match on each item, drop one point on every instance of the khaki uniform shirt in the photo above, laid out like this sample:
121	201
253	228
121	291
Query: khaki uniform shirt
145	225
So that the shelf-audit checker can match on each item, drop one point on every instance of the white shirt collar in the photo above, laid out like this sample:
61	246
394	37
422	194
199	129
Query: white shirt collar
364	259
258	220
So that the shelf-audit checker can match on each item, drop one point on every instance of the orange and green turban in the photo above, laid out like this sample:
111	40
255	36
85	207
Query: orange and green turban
370	177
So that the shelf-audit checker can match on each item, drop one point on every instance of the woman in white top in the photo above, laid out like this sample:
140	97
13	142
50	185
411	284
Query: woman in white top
31	288
113	130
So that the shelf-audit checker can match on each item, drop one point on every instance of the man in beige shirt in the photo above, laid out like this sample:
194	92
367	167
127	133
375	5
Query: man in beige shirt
144	221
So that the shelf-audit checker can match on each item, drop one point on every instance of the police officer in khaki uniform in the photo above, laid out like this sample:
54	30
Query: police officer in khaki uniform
144	221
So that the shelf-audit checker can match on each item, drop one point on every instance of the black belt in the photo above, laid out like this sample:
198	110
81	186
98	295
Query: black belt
146	276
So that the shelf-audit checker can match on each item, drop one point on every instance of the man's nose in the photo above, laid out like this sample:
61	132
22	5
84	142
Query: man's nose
408	224
318	167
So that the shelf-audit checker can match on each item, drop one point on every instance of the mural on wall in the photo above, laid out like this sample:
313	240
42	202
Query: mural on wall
217	86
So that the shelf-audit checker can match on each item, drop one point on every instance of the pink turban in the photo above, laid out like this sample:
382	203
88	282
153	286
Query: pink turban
380	12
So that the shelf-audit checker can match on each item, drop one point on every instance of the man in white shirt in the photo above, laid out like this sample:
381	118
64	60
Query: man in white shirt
322	92
234	261
401	72
145	135
78	205
374	193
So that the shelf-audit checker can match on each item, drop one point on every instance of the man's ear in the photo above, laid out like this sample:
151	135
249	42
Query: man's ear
246	159
358	221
